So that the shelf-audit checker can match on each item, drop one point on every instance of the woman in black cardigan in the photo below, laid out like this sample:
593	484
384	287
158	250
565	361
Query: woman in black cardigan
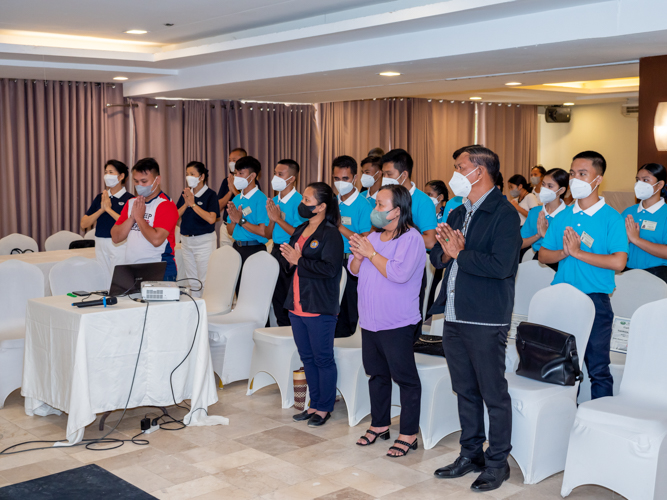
315	256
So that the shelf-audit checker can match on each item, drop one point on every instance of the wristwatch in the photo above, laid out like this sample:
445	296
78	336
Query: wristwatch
242	221
372	255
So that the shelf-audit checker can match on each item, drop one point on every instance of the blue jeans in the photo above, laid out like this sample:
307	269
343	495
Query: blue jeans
314	339
597	351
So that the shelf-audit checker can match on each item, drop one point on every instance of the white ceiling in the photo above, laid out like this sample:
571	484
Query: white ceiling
326	50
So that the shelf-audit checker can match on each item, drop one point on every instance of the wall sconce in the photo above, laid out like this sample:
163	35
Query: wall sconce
660	127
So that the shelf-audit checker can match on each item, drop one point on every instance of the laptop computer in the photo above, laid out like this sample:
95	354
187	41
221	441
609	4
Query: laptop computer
127	278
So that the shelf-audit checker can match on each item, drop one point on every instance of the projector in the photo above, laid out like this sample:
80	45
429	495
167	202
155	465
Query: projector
160	290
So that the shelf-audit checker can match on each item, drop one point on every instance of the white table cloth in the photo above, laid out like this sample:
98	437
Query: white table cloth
81	361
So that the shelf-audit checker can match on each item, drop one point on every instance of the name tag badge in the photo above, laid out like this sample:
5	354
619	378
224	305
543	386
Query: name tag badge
649	225
121	203
246	211
282	215
199	203
587	240
346	221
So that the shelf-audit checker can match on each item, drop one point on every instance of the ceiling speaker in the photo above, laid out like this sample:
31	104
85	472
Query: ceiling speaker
557	114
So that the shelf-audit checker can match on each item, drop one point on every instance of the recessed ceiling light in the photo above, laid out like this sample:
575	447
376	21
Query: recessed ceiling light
513	83
475	98
568	104
136	32
390	73
120	78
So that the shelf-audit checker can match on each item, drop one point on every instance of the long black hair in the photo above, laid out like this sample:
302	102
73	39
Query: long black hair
200	168
561	177
324	194
441	188
659	172
400	197
520	180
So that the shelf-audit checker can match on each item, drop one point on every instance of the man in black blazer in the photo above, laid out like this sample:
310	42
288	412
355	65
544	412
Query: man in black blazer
479	248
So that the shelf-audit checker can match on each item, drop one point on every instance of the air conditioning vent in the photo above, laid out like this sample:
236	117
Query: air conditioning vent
630	110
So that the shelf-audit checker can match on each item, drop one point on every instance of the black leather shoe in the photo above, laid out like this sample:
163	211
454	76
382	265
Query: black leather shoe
304	415
491	479
460	467
316	420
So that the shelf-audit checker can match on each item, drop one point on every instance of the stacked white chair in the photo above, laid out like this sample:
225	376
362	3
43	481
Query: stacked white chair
620	442
542	414
61	240
528	256
222	273
17	241
22	282
78	273
90	235
634	289
230	335
430	275
275	357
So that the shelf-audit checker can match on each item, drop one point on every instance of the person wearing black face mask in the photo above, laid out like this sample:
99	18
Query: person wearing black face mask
315	257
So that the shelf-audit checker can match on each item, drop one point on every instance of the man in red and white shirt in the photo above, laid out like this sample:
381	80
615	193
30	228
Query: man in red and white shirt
148	221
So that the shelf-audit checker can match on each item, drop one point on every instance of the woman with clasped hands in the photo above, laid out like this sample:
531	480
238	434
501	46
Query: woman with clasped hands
390	264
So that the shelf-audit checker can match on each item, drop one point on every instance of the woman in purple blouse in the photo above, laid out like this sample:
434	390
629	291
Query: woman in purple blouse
390	264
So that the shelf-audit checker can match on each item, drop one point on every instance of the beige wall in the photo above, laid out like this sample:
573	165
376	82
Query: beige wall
600	127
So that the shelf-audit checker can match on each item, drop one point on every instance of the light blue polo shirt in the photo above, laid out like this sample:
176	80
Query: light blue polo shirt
455	202
369	198
254	210
652	227
355	213
289	206
529	227
423	211
604	229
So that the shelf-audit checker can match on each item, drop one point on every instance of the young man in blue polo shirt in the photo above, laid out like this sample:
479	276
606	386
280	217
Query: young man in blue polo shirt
227	192
371	178
589	242
247	219
355	214
284	217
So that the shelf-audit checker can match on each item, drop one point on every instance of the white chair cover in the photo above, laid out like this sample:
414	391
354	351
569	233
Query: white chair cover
230	335
224	267
177	234
22	282
78	273
437	320
542	414
619	442
430	275
15	240
61	240
90	235
528	256
275	357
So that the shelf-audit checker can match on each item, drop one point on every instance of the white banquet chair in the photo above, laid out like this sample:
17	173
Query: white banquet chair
61	240
17	241
230	335
275	357
542	414
528	256
77	273
22	282
430	276
90	235
620	442
222	273
177	235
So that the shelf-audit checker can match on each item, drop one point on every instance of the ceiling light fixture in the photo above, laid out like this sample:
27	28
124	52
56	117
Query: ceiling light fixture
511	84
120	78
568	104
390	73
475	98
136	32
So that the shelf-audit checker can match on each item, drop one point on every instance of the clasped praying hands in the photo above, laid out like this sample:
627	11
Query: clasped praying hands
452	241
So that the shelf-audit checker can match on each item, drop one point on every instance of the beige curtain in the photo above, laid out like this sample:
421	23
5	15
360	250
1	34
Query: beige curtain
217	141
54	140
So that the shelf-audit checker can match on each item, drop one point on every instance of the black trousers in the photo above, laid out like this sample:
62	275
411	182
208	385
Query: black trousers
246	251
388	355
281	291
349	312
476	358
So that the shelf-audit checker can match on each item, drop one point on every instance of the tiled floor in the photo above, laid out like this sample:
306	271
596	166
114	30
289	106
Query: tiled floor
262	453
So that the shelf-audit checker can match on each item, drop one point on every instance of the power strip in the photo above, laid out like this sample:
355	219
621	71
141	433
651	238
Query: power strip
152	429
148	426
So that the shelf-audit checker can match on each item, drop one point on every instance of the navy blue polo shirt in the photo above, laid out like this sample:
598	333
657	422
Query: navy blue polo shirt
191	223
105	222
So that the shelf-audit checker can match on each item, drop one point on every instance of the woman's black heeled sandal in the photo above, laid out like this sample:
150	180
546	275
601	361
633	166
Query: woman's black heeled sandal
382	435
403	452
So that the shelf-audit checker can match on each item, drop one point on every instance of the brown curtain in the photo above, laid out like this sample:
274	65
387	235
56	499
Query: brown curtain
217	141
54	140
510	131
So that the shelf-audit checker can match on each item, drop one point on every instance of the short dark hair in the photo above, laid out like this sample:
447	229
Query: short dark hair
345	161
147	165
482	157
375	160
599	163
401	159
240	150
540	169
561	177
199	167
249	163
519	180
291	164
439	187
120	167
324	194
401	198
462	150
499	182
376	152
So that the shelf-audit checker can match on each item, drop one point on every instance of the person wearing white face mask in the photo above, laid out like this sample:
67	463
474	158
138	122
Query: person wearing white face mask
554	186
589	243
284	217
371	178
521	196
355	215
537	174
437	191
105	211
198	209
646	222
227	191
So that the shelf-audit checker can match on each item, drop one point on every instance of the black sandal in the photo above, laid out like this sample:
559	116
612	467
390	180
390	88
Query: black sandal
412	446
382	435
